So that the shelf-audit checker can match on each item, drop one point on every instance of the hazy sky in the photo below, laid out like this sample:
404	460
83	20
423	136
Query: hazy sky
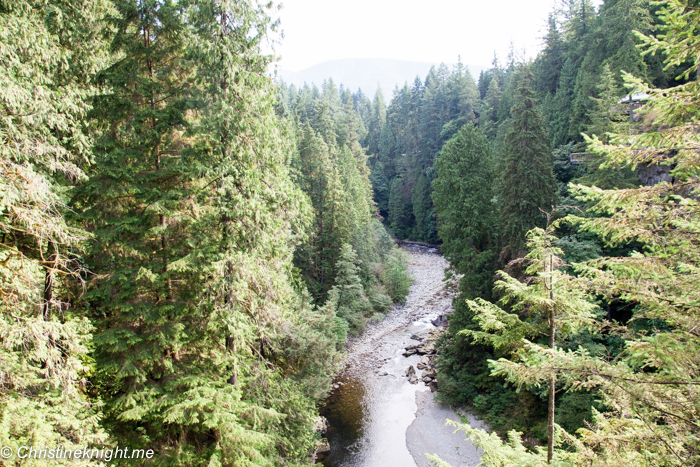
424	31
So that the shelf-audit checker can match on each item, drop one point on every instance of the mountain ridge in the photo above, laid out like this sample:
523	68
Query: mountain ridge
367	74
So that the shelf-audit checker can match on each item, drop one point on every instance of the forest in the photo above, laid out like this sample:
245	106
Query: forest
187	244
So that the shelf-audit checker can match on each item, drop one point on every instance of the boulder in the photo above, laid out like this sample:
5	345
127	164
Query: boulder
321	424
410	371
410	350
322	445
440	321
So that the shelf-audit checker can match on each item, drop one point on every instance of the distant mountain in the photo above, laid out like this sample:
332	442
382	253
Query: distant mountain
366	74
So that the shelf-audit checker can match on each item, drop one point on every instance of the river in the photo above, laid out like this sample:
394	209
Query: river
376	417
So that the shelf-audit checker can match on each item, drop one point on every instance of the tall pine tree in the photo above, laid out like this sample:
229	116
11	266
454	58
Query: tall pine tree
528	185
463	200
194	216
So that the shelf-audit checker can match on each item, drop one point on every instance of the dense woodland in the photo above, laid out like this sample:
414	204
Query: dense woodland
180	264
185	245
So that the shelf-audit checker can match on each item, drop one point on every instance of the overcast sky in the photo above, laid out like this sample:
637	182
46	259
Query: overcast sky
424	31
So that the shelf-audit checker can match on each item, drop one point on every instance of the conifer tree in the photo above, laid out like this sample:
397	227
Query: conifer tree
609	117
423	210
608	112
551	60
619	21
490	109
557	109
384	169
376	122
551	304
528	185
463	200
348	294
400	209
462	94
320	180
193	213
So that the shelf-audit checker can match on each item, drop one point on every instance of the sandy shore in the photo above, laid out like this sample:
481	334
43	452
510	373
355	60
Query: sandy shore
428	434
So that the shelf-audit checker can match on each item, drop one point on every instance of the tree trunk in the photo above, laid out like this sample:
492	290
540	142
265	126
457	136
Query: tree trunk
48	284
231	345
552	378
550	417
48	294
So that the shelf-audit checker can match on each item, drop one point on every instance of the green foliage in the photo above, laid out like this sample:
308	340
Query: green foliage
490	109
513	452
549	62
230	242
331	167
420	119
400	210
608	114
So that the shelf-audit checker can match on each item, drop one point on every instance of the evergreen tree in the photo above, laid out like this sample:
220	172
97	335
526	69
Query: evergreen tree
423	209
608	112
320	180
348	293
463	200
490	110
194	216
552	306
608	117
550	61
429	120
376	122
400	210
363	106
557	109
620	19
528	181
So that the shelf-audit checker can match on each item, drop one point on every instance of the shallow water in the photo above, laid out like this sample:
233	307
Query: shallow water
368	416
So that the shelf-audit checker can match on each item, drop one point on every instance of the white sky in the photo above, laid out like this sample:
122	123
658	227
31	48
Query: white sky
424	31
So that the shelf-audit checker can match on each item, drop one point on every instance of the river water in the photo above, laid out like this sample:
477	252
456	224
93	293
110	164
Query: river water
377	418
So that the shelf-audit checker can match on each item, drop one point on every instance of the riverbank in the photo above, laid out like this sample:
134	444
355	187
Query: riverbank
376	416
